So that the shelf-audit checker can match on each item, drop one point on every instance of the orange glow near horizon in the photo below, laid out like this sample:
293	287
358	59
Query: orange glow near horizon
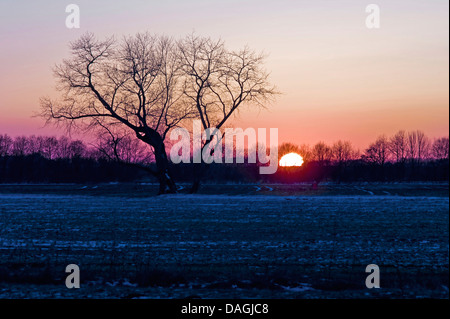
291	159
338	79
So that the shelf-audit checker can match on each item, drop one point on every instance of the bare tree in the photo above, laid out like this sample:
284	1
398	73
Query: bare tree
148	85
133	83
440	148
321	153
377	152
63	147
50	147
20	146
34	144
423	146
119	145
398	146
218	82
6	144
342	152
286	148
76	149
412	146
305	151
418	146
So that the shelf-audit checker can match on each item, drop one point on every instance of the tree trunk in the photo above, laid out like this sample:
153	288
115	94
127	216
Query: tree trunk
199	169
164	173
166	182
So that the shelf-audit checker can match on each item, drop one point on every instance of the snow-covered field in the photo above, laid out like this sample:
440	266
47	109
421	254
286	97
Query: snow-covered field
222	246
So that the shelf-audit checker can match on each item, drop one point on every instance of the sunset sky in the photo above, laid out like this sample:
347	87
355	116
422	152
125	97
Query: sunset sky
339	79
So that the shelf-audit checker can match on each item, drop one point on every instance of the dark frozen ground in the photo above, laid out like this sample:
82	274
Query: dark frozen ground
232	241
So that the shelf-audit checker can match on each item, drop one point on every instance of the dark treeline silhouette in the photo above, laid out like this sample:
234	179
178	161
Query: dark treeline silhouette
406	156
41	159
38	169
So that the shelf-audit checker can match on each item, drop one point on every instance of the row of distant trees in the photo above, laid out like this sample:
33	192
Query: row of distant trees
413	146
52	148
47	146
403	156
47	159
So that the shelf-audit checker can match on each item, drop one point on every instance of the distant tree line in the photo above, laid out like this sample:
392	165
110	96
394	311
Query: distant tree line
402	147
43	159
405	156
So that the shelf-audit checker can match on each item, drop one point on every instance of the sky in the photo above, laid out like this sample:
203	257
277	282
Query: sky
338	78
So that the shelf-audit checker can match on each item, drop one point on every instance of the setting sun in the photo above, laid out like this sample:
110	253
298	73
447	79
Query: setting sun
291	159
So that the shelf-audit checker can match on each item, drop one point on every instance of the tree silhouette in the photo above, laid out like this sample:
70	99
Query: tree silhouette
377	152
321	153
133	83
286	148
219	81
145	85
398	146
440	148
343	152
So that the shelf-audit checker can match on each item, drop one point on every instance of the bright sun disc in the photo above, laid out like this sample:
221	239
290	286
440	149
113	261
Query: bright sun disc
291	159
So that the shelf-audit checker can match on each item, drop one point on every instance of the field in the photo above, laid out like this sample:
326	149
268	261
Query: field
229	241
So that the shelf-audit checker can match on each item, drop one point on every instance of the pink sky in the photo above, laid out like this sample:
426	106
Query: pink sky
339	79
